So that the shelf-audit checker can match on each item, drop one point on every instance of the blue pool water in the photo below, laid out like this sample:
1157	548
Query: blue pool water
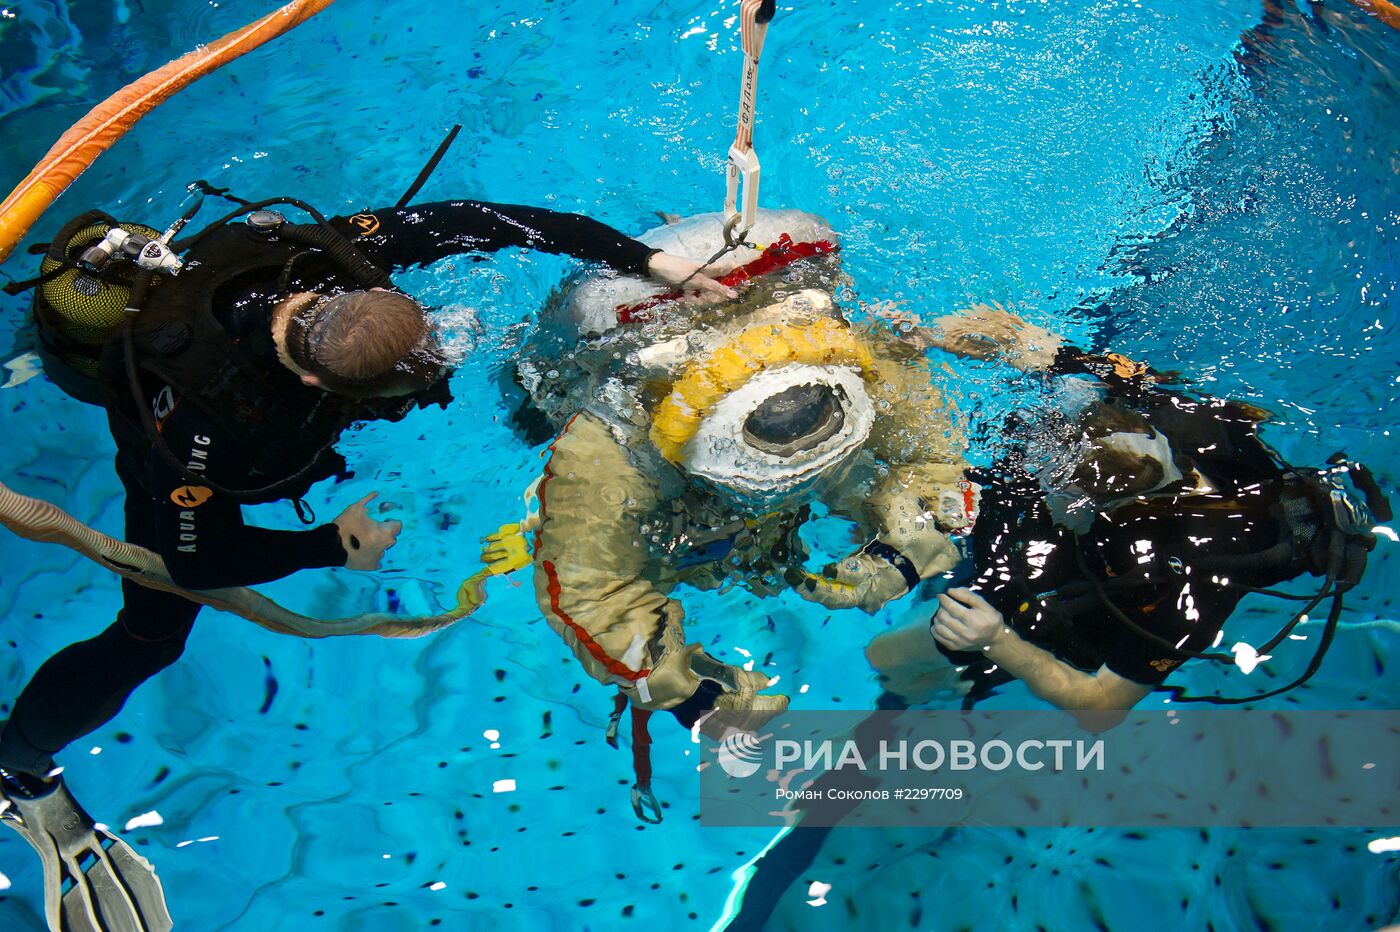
1223	193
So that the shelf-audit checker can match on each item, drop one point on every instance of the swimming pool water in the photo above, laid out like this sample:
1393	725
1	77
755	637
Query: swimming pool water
1204	185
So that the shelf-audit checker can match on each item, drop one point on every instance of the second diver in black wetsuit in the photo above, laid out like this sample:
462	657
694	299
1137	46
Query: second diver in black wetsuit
232	387
1112	546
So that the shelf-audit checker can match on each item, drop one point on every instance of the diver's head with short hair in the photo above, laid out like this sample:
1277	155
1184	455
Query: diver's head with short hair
1109	473
1123	455
359	343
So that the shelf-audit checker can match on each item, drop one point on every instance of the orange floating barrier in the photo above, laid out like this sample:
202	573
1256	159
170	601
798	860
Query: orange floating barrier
109	121
1385	11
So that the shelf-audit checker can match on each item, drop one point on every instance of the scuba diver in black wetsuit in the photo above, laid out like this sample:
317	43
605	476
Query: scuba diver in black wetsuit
237	369
1113	545
1164	490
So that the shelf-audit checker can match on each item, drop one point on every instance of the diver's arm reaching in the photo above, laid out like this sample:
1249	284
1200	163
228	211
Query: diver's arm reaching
1220	433
201	534
967	622
989	331
424	233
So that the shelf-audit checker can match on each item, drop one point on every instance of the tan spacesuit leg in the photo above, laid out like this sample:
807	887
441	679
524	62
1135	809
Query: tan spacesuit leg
590	562
590	555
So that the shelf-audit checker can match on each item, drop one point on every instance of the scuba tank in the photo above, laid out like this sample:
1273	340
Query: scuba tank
99	271
94	275
77	309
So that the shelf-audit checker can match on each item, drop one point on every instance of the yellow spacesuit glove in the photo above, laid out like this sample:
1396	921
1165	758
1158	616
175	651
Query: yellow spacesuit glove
503	552
861	581
506	550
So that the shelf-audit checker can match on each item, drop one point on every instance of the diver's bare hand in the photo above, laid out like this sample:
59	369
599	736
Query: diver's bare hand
966	621
364	538
678	270
897	313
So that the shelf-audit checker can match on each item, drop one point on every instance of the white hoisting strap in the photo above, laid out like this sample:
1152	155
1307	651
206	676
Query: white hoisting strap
754	16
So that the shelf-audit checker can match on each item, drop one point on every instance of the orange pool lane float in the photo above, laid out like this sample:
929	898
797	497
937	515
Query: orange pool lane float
108	121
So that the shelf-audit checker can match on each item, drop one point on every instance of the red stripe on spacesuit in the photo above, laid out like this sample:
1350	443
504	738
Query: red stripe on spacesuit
781	254
969	501
615	667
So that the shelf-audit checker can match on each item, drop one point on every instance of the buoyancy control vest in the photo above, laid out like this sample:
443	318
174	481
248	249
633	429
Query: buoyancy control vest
1264	522
285	429
90	350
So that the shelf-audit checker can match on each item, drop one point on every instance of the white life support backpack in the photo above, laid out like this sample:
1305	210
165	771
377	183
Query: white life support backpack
599	302
599	332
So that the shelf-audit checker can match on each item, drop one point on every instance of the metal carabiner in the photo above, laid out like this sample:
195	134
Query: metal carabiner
730	241
644	801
